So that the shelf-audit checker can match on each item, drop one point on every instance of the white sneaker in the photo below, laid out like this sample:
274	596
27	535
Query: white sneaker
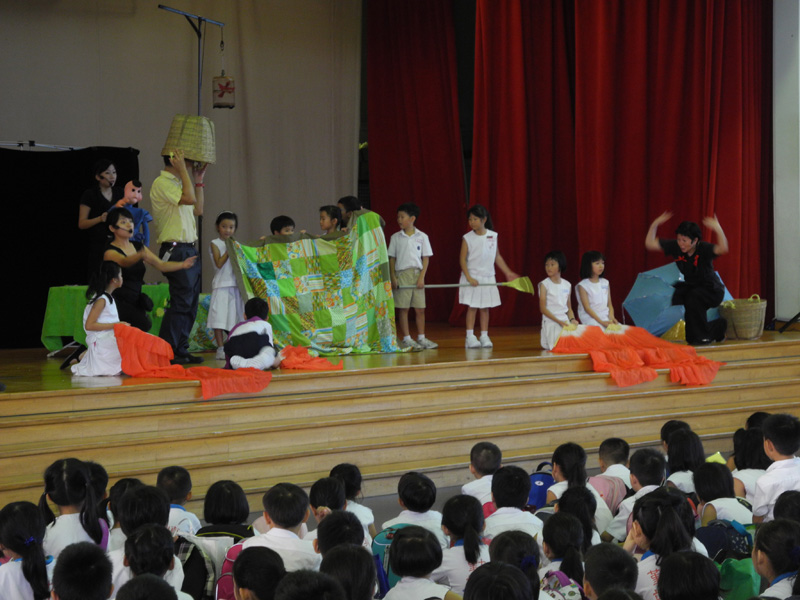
485	341
220	353
236	362
426	344
410	343
472	342
278	360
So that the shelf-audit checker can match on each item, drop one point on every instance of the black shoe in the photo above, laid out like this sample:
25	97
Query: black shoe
701	342
75	355
186	359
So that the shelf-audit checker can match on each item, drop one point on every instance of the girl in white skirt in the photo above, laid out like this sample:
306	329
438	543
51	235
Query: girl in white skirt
554	299
478	258
593	292
225	309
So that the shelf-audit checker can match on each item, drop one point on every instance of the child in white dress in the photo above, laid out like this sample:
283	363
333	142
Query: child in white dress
225	309
713	484
462	522
593	292
478	258
554	299
102	355
415	555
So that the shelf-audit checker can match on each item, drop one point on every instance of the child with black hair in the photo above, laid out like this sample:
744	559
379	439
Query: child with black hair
484	460
787	506
781	443
756	420
150	549
511	486
354	568
102	356
416	495
257	573
593	292
116	538
83	572
688	576
351	477
225	308
499	581
684	454
326	495
415	555
519	549
340	528
409	254
177	483
776	557
99	477
750	460
659	530
569	470
713	484
581	504
554	299
462	522
668	428
225	510
147	587
612	456
250	343
648	469
348	205
305	584
330	219
607	566
562	540
282	225
27	573
67	484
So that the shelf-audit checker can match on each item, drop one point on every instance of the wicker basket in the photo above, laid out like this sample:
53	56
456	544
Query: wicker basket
194	135
745	317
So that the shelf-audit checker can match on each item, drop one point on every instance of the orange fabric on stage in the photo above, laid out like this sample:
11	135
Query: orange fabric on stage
145	355
297	357
631	355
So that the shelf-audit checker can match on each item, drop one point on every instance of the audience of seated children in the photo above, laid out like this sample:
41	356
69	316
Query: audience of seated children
352	480
415	555
688	576
581	504
569	470
499	581
250	343
416	495
225	510
116	538
776	557
354	568
83	572
647	474
684	454
462	522
781	442
257	573
608	567
147	587
668	428
562	540
27	574
177	483
306	584
511	486
330	219
326	495
713	484
484	460
750	461
282	225
658	530
68	485
151	549
519	549
285	510
613	459
339	528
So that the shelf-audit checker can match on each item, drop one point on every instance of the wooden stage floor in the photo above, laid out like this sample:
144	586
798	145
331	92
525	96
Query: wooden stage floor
29	370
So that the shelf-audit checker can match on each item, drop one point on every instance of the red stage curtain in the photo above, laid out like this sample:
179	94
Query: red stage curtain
414	139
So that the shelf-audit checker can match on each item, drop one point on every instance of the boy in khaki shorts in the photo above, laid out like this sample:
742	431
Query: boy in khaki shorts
409	254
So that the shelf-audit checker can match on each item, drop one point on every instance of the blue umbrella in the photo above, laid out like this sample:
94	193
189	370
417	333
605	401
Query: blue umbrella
649	302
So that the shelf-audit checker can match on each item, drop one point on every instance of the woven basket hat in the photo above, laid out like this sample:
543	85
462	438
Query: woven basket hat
194	135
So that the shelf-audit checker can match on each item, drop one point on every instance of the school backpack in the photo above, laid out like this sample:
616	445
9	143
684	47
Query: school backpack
541	480
381	548
725	539
612	489
738	579
225	580
561	587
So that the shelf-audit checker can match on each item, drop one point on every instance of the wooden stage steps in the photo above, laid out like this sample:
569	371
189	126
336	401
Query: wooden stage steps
388	414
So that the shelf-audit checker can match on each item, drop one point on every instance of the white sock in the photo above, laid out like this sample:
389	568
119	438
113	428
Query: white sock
421	336
407	338
470	332
484	334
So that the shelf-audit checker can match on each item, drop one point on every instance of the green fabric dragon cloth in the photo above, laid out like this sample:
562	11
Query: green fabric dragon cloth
331	294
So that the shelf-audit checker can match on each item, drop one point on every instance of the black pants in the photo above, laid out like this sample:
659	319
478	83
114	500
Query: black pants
696	301
184	295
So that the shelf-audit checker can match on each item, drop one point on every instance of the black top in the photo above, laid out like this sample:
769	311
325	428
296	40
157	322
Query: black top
697	269
132	277
94	199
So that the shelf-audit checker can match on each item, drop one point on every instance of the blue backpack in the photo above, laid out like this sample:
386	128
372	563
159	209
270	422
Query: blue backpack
541	480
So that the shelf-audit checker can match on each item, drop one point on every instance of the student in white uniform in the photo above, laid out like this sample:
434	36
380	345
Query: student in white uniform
612	456
177	483
684	454
484	460
511	486
607	567
257	572
519	549
353	567
688	575
581	504
594	292
325	496
83	572
351	477
781	443
415	555
462	522
776	557
750	460
416	495
150	549
647	474
562	541
554	300
26	575
225	308
713	483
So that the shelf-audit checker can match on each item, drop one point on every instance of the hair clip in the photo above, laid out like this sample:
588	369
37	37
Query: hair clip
530	560
30	540
794	554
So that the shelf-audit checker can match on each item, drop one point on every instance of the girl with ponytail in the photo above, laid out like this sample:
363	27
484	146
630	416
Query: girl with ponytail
581	503
462	521
562	540
659	530
68	485
26	576
776	557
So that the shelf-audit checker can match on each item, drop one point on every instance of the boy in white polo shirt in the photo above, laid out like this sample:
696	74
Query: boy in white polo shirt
485	459
409	254
781	443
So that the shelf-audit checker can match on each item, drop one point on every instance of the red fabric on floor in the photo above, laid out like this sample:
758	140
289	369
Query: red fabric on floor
297	357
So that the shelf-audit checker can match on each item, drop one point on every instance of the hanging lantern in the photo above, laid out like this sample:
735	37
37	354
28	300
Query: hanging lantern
223	86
